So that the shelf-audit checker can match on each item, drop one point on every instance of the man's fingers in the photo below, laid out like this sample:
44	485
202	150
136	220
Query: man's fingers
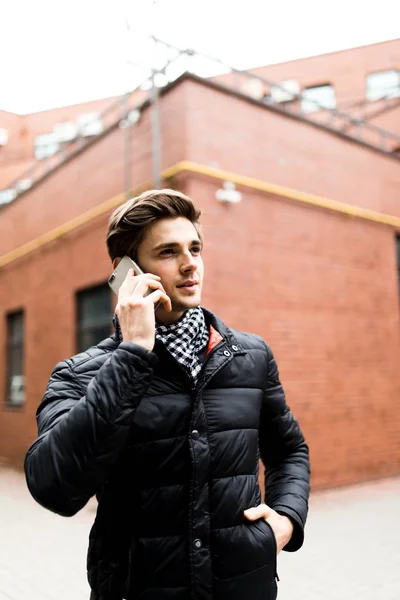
160	296
262	511
139	286
131	278
154	285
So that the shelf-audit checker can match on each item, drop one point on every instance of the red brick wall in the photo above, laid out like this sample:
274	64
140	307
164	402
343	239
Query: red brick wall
44	286
321	289
389	120
94	176
201	124
345	70
255	141
18	155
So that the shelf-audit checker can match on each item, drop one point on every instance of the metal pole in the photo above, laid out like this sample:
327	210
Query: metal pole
156	133
156	127
127	141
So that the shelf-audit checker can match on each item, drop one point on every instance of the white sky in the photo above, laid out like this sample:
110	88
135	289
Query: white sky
55	53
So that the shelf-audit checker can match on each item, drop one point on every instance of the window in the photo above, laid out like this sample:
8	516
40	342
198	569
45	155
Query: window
318	98
286	91
7	195
93	316
46	145
90	124
15	393
384	84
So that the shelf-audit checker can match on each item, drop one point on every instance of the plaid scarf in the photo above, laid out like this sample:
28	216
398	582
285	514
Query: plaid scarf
185	339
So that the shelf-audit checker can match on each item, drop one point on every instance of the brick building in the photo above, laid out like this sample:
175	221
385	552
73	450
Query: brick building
308	258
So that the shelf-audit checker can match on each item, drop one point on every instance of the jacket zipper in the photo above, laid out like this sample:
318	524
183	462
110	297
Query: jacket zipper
196	390
128	578
203	381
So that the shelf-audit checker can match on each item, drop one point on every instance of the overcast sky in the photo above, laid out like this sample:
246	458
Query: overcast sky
54	53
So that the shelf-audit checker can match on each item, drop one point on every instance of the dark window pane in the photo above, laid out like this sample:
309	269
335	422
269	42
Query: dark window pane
15	326
94	316
15	392
15	359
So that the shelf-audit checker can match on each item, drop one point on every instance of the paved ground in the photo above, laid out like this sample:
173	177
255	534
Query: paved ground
352	549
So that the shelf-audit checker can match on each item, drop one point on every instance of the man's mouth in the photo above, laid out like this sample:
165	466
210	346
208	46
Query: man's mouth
188	284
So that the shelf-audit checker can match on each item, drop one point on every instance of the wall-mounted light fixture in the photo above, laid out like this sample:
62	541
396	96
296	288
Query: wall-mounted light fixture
228	193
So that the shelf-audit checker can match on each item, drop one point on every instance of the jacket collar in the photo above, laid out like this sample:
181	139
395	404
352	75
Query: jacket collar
211	319
226	333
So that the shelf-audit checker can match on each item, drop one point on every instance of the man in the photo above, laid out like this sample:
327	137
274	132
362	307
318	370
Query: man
165	422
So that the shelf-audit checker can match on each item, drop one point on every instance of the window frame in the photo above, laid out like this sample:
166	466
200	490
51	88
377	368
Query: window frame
304	99
79	332
12	345
375	73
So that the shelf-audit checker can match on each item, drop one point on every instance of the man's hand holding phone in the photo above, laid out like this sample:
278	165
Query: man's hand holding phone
137	298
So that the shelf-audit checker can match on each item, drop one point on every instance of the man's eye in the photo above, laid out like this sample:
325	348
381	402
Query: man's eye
167	251
196	249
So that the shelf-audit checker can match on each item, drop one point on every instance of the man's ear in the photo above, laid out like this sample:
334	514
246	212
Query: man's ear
116	261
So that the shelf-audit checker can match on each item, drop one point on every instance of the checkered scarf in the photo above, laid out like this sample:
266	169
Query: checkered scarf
185	339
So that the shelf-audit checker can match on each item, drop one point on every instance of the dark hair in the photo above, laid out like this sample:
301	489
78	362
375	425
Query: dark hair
129	221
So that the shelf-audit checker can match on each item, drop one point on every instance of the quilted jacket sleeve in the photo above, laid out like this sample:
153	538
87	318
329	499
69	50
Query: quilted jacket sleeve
82	431
285	455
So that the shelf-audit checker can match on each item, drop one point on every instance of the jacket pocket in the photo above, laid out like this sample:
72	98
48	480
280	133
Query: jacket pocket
269	532
257	585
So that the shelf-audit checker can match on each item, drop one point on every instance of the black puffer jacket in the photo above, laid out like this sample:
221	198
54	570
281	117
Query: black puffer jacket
173	467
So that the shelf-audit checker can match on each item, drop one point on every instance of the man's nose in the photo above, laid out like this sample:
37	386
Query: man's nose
188	262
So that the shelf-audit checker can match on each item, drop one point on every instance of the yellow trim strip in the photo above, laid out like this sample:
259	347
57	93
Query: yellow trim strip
67	227
187	166
277	190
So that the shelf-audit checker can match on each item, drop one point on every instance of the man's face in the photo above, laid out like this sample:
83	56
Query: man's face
172	249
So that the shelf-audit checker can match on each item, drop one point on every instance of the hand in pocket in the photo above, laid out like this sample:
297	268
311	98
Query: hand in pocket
281	526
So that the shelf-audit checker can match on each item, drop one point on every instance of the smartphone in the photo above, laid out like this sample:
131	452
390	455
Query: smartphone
119	274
